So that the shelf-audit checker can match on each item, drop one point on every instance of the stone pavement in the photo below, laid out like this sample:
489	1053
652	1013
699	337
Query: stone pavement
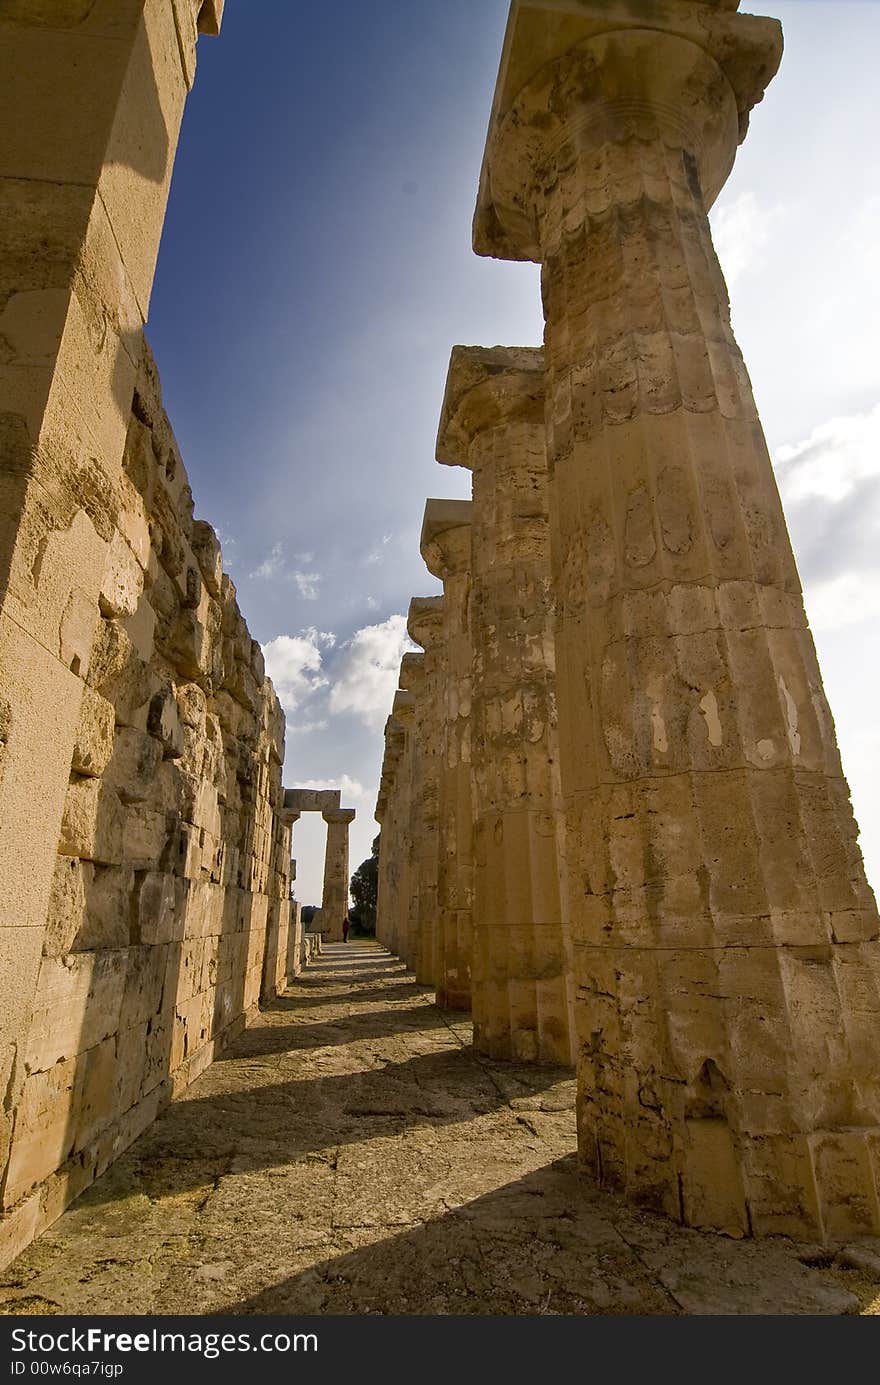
351	1154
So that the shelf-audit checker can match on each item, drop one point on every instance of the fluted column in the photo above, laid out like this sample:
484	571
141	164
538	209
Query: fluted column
493	423
334	903
403	711
425	625
446	549
725	935
388	815
413	678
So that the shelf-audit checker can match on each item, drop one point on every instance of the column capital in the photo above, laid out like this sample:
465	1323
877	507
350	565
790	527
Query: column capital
339	815
424	622
488	387
446	537
403	707
412	674
580	72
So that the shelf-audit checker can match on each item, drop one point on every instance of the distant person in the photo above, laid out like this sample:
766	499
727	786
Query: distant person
346	924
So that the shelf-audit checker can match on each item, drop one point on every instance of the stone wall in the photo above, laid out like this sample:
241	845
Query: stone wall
169	907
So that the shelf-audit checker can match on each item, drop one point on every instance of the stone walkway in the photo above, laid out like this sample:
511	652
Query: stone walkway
350	1154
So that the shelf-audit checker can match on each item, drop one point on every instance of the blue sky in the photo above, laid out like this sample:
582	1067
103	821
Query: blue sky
316	270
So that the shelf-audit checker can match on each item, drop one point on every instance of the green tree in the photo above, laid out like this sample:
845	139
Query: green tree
365	893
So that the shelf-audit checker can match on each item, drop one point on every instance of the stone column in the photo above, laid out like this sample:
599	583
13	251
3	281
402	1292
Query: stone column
387	815
423	809
425	625
725	935
403	710
91	99
446	549
334	902
493	423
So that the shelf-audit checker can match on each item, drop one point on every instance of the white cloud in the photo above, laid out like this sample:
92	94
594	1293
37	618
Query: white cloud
377	555
365	676
833	461
845	600
294	664
740	230
372	603
301	728
307	584
273	566
830	486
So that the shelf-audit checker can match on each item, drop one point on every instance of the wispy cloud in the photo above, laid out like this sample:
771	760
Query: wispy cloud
365	675
275	568
307	584
302	728
830	485
741	229
377	554
295	665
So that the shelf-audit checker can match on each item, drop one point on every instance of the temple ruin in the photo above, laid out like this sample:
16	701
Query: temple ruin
615	828
329	918
642	812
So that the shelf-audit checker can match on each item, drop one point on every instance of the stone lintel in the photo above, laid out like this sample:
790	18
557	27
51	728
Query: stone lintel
424	622
487	387
445	541
311	800
339	815
747	49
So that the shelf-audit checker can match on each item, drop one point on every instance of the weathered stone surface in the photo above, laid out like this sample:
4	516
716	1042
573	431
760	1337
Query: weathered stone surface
446	548
391	814
423	676
144	859
93	746
522	983
718	903
334	902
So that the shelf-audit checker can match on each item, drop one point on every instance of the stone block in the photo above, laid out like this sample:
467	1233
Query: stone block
144	984
141	629
76	1006
146	834
91	826
163	722
93	745
135	762
206	547
67	905
119	674
160	908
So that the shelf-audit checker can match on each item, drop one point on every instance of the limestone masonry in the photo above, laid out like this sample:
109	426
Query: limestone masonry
144	845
